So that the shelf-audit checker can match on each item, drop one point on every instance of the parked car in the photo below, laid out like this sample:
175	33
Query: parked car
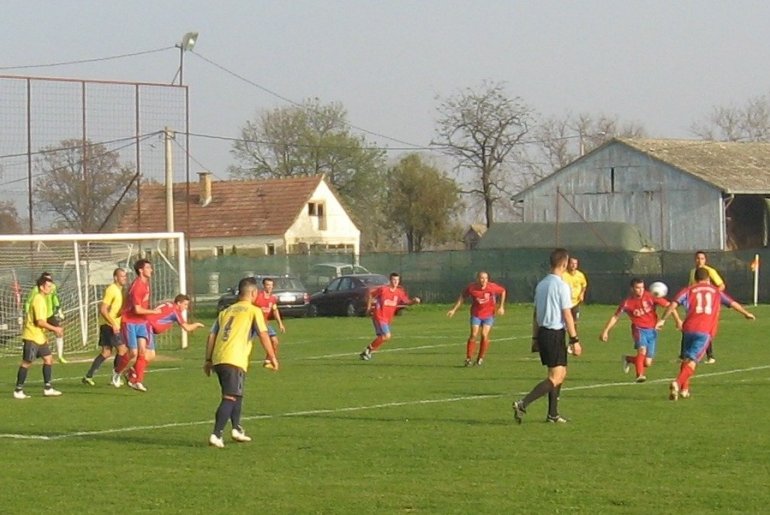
291	293
346	295
321	273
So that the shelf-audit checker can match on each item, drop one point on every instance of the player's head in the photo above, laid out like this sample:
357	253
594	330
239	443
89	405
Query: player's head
700	259
637	287
267	284
182	300
482	277
120	276
247	289
395	279
702	275
143	267
572	264
47	274
44	284
559	258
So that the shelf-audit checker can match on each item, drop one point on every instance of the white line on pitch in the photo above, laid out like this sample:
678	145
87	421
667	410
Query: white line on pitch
351	408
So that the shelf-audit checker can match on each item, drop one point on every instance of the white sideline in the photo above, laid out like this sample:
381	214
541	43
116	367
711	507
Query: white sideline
351	408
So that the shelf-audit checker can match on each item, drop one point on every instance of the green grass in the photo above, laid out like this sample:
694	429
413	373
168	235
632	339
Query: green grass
411	431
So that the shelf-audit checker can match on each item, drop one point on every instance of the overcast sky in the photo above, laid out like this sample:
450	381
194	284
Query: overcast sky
660	63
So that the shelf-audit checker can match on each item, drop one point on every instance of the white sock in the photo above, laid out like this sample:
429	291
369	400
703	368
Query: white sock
60	346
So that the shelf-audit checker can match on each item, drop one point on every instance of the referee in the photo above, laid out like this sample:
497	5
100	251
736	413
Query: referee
551	324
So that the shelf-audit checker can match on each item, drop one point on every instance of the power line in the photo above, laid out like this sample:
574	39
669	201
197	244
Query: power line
82	61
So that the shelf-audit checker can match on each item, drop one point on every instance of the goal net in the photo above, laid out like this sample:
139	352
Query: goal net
82	266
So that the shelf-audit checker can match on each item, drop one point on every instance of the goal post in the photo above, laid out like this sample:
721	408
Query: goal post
82	266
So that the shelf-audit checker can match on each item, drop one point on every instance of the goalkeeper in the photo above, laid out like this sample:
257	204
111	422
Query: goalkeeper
55	314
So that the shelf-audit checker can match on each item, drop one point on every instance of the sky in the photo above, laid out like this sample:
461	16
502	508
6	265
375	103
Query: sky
659	63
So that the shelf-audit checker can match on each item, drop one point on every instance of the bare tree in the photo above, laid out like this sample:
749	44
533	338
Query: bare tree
483	129
81	183
731	123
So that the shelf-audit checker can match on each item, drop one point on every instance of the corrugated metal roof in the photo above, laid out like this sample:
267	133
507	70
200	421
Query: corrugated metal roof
733	167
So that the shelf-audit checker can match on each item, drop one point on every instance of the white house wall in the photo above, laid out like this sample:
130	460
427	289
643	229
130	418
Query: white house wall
676	210
340	229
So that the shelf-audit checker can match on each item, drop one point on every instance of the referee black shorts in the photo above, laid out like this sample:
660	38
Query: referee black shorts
552	347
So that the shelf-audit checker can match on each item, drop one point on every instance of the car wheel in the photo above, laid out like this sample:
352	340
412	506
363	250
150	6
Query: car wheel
350	310
312	310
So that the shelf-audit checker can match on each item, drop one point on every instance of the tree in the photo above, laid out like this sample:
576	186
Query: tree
422	202
315	139
730	123
9	218
82	183
562	140
483	129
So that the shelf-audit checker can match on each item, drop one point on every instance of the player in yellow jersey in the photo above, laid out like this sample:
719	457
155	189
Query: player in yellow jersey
716	280
227	353
109	330
35	342
578	284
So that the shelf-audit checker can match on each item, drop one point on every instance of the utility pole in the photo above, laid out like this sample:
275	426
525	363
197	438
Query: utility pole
168	135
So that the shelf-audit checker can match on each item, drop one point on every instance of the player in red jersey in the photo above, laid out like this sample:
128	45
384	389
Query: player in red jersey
382	304
640	305
134	326
170	313
268	303
703	301
483	295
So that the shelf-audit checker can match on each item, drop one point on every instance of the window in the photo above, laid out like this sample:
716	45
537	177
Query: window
316	211
270	249
219	251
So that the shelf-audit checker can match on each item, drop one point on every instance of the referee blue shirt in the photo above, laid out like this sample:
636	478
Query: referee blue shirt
552	296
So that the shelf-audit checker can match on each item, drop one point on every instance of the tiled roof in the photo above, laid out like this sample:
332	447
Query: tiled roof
237	208
733	167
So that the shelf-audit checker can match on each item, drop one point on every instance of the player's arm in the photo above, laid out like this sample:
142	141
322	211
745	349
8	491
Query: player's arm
670	310
189	327
208	365
456	306
716	279
605	334
577	349
277	316
740	309
104	310
501	308
41	320
139	310
260	327
583	288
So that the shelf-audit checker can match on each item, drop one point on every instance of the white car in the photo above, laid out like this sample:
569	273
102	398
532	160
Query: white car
321	273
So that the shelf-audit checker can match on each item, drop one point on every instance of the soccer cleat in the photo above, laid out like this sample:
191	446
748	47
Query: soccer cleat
268	365
626	365
88	380
641	379
518	411
216	441
710	361
673	391
116	380
239	435
558	419
139	387
50	392
468	362
479	362
19	394
684	393
62	360
366	355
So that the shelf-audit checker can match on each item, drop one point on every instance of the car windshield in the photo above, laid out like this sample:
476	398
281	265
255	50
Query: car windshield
287	283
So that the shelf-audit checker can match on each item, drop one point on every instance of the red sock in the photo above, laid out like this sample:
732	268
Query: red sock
685	372
140	366
123	362
483	348
376	343
639	364
470	347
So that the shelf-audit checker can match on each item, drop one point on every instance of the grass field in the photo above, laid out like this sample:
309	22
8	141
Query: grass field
411	431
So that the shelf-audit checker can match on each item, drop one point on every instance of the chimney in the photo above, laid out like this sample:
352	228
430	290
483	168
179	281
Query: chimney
204	181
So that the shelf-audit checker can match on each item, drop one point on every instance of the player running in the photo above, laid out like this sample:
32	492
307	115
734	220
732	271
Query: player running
268	303
382	304
483	295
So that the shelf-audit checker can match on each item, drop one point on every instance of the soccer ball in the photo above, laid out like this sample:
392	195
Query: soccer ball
658	289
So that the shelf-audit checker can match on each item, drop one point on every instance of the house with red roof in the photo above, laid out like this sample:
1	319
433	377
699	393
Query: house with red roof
276	216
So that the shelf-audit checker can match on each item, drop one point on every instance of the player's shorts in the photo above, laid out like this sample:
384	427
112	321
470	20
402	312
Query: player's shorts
231	379
575	312
271	331
490	321
695	345
380	328
647	338
31	351
552	347
133	331
108	338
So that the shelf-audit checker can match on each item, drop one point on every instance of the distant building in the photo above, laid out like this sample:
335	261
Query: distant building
277	216
682	194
